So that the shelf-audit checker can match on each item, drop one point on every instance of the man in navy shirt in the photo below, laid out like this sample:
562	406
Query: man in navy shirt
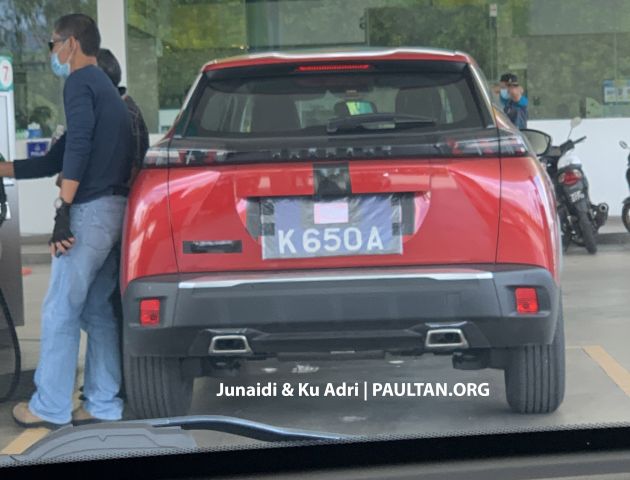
88	223
52	162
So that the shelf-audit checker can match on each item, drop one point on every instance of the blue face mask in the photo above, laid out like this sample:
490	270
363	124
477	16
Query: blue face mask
504	94
61	70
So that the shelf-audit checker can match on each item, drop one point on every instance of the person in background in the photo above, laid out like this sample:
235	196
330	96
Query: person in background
516	105
502	90
96	168
139	131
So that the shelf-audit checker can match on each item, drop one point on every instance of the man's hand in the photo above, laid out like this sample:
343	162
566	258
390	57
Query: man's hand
6	168
516	92
62	238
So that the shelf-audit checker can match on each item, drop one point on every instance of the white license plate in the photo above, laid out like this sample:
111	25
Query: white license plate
303	228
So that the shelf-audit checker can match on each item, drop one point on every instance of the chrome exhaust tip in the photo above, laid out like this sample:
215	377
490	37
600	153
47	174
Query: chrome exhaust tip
602	207
229	345
445	338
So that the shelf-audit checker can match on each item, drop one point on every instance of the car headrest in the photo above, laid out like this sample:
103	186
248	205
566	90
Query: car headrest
341	110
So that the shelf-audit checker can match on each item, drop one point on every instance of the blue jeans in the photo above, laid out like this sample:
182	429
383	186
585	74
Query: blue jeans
81	283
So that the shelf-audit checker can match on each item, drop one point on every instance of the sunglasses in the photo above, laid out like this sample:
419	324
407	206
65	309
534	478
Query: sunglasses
52	43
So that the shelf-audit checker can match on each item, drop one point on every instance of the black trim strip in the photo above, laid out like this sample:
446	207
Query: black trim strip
213	246
253	217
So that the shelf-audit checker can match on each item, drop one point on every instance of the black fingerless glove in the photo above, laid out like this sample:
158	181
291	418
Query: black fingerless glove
62	225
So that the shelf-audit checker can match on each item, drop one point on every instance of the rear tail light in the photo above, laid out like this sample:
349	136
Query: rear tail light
149	312
482	146
164	157
570	177
526	300
156	157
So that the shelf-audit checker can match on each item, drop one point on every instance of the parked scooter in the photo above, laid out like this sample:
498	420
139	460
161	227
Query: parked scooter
625	211
580	219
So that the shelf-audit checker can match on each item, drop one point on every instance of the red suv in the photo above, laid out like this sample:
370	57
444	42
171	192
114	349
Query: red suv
341	205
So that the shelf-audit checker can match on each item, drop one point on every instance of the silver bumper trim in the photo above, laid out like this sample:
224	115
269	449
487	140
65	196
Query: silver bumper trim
228	281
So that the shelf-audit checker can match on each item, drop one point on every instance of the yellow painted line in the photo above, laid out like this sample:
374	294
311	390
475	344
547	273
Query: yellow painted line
25	440
613	369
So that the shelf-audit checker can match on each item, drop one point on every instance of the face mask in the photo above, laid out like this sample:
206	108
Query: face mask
61	70
504	94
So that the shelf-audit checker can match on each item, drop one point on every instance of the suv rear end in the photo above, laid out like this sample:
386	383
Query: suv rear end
340	205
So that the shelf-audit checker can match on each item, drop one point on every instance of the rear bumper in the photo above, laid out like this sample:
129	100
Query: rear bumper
358	310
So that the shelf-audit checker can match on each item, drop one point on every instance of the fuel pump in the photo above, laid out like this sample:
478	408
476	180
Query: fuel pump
11	300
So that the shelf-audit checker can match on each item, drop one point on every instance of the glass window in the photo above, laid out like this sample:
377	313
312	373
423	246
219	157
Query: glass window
168	42
306	104
25	29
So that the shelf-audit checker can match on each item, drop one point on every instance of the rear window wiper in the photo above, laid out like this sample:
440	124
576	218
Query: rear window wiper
378	121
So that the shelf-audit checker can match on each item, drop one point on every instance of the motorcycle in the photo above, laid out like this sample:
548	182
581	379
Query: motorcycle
625	211
580	219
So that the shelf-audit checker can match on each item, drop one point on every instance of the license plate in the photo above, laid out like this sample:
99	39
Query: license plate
300	227
576	196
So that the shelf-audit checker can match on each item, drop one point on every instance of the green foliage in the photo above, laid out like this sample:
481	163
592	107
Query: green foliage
429	24
25	28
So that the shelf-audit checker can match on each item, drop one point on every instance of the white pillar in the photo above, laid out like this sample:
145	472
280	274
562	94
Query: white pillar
111	16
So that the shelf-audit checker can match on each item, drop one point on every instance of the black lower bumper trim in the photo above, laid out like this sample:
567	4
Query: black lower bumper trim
337	315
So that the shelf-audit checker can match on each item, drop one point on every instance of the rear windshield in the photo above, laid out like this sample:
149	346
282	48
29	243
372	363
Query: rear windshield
325	105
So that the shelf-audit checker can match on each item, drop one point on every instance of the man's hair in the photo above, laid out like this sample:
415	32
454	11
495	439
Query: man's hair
509	78
108	63
83	28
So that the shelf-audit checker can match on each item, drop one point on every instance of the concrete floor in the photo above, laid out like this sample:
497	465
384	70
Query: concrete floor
597	318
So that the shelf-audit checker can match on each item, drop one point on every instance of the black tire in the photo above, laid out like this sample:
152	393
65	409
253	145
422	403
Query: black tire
535	375
157	387
625	216
588	232
565	238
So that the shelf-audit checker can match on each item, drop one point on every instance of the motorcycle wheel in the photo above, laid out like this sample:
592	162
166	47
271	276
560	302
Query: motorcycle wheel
588	232
625	216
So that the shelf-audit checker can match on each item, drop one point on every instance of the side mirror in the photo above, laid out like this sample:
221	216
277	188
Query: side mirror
575	122
623	145
539	141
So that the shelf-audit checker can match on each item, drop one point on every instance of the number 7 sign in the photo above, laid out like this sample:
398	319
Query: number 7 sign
6	74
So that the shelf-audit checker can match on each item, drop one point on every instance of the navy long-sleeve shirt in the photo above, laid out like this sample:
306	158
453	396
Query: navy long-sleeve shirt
98	138
44	166
52	162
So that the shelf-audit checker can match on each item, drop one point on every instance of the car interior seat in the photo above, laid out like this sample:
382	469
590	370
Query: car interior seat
274	113
421	101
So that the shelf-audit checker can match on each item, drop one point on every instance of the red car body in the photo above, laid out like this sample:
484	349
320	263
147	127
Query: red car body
485	209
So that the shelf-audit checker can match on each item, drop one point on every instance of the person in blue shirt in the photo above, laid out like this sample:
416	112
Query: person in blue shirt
88	223
504	90
514	102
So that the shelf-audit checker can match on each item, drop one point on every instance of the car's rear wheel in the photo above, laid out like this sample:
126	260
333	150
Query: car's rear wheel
535	375
157	387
